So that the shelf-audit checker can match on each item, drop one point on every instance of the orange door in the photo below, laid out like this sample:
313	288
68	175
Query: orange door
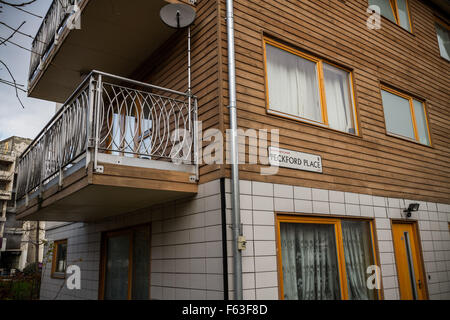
411	277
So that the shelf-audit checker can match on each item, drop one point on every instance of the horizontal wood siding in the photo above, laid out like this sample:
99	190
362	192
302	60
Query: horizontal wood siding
167	67
373	162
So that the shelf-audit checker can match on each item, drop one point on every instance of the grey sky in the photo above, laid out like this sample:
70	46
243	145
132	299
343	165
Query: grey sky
13	119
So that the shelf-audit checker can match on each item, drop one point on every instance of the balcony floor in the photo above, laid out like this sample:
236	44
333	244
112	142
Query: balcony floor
88	196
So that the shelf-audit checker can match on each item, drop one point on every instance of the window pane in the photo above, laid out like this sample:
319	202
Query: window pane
397	114
385	8
421	122
358	254
310	264
293	84
443	40
339	101
61	254
403	14
116	278
116	139
130	135
141	264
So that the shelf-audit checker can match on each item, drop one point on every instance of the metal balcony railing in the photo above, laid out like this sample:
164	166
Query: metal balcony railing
51	27
113	115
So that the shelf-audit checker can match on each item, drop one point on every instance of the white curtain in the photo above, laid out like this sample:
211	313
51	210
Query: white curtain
403	14
293	84
358	256
310	267
443	41
339	101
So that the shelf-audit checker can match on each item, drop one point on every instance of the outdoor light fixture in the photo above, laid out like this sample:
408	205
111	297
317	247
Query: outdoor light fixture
411	208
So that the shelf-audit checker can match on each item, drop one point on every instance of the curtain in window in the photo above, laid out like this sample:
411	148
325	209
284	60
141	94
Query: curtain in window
141	264
385	8
421	122
358	256
293	84
403	15
116	278
444	41
310	265
339	102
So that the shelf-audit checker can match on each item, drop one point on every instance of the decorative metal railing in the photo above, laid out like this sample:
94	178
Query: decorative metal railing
51	27
113	115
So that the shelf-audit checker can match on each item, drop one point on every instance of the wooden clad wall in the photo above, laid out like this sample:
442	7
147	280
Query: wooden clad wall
371	163
167	67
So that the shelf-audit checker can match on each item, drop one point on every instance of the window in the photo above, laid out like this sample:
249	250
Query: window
325	259
395	10
443	36
405	116
59	260
125	270
303	87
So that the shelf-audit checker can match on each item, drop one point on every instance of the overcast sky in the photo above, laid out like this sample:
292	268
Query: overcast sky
15	121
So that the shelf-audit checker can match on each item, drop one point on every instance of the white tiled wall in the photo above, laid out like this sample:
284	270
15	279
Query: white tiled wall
187	241
260	201
186	255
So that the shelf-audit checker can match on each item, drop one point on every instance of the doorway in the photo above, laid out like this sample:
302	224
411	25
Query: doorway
125	264
408	257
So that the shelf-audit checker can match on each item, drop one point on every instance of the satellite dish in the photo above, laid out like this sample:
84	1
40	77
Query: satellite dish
177	15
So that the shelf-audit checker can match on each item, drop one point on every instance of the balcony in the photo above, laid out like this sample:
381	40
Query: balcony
6	176
7	157
113	36
5	195
115	146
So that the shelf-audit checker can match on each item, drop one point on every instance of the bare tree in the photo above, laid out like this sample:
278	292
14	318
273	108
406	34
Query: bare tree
4	41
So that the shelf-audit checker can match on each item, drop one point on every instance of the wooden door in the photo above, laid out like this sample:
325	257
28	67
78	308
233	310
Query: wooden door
408	258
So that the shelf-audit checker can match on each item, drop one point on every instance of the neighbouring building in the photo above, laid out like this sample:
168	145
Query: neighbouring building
359	180
17	238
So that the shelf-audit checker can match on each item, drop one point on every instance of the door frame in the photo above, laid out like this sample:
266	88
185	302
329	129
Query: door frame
103	258
421	264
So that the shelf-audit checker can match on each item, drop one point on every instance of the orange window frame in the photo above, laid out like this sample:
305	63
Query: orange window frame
321	85
336	222
413	116
56	244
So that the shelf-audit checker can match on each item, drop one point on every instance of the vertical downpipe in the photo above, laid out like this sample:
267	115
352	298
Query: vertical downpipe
235	210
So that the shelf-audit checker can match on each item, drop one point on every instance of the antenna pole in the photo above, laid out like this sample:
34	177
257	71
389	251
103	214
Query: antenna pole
189	60
189	75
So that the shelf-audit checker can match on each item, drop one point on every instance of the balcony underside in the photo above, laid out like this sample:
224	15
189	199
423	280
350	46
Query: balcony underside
88	196
115	37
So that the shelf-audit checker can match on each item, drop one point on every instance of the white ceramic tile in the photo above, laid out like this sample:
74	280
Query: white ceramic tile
283	191
302	193
262	189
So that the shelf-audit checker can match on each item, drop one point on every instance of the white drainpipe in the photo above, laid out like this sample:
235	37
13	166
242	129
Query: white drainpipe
236	210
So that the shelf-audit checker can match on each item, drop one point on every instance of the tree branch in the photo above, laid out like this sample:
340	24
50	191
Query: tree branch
23	4
12	34
15	83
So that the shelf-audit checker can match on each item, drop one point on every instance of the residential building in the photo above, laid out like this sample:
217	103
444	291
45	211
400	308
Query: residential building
18	238
353	178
